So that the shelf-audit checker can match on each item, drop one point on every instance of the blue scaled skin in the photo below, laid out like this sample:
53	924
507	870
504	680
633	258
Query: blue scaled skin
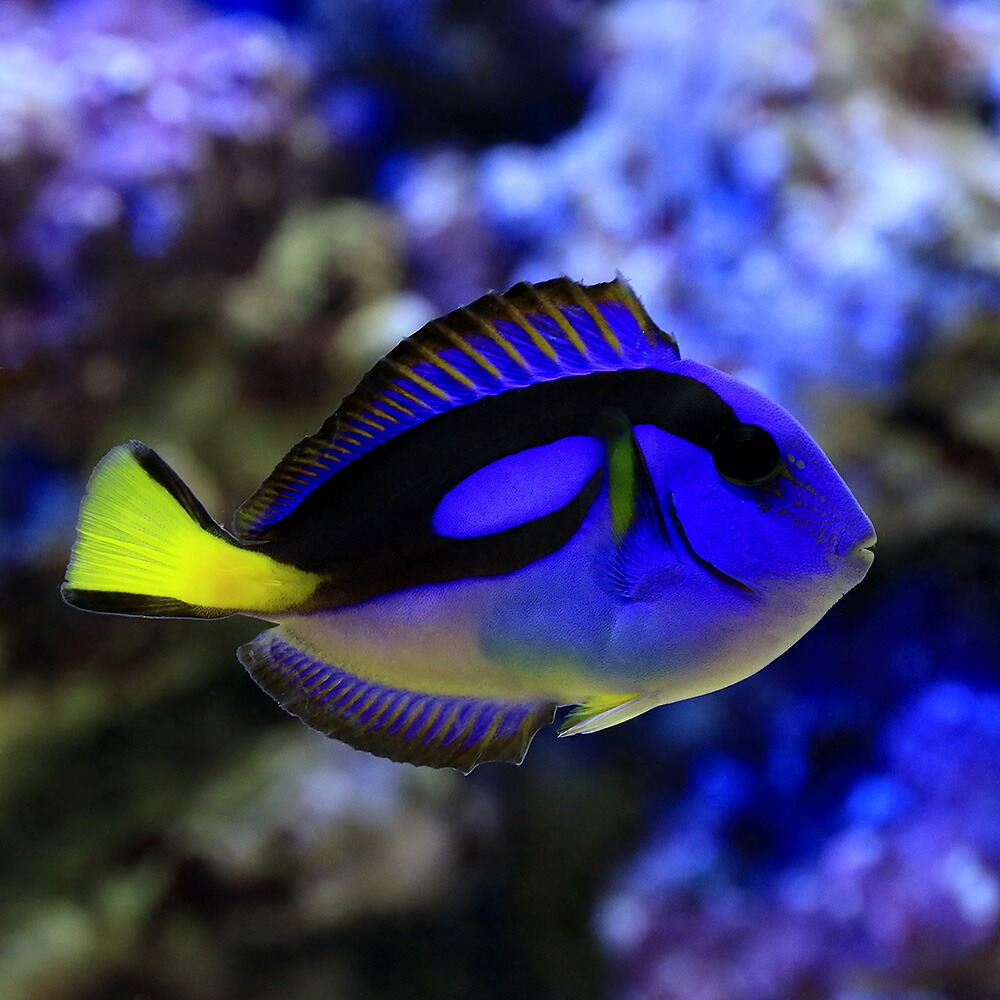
532	502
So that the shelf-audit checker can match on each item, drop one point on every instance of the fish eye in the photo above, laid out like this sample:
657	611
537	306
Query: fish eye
746	455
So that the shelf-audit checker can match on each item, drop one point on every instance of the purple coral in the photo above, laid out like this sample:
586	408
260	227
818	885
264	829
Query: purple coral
113	116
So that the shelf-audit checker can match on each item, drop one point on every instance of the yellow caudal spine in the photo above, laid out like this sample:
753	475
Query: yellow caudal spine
146	546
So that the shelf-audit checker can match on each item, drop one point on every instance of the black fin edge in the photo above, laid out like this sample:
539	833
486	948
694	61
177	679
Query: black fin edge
160	472
112	602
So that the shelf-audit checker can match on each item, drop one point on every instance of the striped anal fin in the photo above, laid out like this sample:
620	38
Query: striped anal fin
410	726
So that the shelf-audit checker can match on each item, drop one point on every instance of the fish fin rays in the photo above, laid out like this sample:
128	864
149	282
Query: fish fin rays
530	334
146	546
635	507
603	711
414	727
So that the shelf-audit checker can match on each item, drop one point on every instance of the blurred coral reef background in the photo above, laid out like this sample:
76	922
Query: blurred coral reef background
215	217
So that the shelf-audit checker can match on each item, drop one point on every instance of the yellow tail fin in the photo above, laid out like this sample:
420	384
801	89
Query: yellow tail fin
146	546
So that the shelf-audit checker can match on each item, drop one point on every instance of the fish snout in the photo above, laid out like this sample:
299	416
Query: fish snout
858	551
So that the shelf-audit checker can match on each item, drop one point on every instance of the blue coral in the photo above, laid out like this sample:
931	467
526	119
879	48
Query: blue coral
906	876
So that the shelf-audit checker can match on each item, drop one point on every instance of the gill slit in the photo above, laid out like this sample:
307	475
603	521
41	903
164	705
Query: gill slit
676	534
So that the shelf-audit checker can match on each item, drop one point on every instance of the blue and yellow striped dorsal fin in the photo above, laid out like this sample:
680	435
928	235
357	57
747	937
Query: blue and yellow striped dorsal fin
410	726
530	334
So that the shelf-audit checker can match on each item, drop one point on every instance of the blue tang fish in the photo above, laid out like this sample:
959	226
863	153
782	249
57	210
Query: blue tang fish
533	501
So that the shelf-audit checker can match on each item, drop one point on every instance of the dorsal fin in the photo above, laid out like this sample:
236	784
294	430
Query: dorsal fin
530	334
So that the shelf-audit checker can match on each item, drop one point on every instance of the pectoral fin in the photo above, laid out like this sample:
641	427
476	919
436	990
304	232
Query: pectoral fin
650	543
635	509
411	726
645	552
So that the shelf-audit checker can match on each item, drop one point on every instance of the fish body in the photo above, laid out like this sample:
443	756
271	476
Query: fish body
532	502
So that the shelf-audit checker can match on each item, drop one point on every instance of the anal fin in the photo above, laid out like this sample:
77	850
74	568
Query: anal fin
414	727
604	711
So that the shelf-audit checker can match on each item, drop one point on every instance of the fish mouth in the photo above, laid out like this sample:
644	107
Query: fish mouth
863	551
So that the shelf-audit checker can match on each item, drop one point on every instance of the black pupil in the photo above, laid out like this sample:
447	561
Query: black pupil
746	455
